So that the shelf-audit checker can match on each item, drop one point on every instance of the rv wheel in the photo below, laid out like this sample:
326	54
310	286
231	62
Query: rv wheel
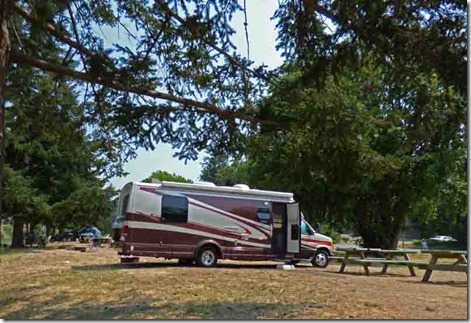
321	259
207	257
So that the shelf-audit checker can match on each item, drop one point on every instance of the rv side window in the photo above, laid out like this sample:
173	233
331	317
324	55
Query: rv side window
124	207
175	209
263	215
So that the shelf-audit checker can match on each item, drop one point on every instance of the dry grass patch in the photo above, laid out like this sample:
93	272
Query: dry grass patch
65	284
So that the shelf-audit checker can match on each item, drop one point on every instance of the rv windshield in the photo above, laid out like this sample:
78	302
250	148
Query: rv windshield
306	228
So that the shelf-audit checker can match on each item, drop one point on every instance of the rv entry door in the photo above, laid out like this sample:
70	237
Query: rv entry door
294	234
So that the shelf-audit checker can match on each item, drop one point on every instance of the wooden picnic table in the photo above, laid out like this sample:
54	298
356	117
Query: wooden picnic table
461	263
387	258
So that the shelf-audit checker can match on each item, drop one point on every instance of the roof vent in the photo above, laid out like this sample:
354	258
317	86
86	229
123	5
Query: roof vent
242	186
205	184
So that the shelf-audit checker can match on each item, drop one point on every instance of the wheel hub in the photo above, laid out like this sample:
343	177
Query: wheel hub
208	257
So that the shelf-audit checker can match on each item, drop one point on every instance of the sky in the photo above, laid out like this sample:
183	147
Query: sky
262	40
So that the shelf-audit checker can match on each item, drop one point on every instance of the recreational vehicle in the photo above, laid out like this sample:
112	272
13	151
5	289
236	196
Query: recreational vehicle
203	222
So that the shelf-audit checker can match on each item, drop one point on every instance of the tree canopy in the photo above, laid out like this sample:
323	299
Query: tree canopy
365	120
162	175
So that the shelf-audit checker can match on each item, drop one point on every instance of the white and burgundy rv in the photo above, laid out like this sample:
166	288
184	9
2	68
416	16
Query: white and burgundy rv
203	222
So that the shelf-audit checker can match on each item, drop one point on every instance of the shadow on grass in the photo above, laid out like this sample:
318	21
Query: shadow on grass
9	251
451	283
169	265
372	274
145	308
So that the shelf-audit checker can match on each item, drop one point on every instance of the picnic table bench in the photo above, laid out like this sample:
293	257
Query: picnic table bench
460	265
383	258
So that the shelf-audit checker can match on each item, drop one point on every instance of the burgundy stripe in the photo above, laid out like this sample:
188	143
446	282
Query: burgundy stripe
153	190
190	225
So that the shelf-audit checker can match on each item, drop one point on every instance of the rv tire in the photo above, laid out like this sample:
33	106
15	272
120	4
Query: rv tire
207	256
321	259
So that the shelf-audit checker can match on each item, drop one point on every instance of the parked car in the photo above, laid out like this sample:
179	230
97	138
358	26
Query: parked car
443	239
88	233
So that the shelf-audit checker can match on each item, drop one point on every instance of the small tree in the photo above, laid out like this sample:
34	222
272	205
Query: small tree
162	175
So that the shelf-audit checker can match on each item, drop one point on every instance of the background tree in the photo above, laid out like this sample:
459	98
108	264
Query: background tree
47	144
210	166
368	154
162	175
23	203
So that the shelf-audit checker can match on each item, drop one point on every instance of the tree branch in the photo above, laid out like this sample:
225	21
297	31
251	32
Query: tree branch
201	107
231	58
53	30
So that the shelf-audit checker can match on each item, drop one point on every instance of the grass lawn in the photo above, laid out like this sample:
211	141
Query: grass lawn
66	284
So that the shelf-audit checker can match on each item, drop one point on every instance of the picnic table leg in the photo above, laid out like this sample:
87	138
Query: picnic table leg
385	268
461	260
428	272
344	263
365	266
411	269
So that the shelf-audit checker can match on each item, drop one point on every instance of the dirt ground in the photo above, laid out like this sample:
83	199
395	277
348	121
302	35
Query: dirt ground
66	284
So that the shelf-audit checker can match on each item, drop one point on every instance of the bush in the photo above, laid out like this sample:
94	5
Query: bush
417	243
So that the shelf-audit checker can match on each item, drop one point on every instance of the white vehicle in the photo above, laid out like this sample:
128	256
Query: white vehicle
443	239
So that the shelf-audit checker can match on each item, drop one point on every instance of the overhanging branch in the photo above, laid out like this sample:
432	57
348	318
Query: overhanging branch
201	107
53	30
218	49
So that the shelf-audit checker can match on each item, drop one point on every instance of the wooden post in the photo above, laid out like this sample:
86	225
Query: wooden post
411	268
365	266
429	271
344	262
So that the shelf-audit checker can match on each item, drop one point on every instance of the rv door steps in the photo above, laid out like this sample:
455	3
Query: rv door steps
127	259
285	267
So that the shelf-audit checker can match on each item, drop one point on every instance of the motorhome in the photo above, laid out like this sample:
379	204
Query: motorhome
202	223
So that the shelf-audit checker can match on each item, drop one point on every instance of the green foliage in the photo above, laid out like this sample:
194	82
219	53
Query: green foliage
181	48
211	165
236	173
166	176
54	173
368	152
87	205
22	200
414	37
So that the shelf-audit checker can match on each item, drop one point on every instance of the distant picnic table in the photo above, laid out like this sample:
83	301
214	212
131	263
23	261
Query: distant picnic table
381	257
367	257
461	263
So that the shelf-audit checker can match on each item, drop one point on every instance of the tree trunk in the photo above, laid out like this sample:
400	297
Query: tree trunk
18	236
4	53
378	229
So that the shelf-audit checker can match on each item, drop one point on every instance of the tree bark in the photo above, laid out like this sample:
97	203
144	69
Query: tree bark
18	236
4	53
377	229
